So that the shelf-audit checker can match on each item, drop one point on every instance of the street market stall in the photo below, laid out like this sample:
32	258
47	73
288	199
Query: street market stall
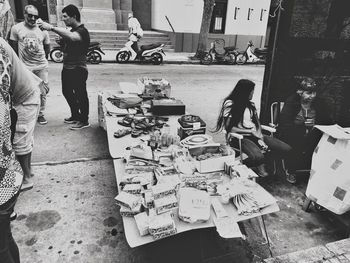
171	176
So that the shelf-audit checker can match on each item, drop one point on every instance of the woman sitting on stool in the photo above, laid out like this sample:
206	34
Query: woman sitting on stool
238	114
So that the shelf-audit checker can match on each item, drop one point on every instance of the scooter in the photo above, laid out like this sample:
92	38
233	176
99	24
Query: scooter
228	55
257	56
93	55
152	53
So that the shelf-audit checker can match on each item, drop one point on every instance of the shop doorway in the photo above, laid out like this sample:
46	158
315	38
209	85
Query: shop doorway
218	19
41	5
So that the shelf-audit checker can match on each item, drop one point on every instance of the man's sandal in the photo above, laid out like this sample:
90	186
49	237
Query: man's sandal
136	133
126	121
122	132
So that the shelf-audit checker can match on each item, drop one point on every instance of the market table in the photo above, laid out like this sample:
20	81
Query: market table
118	146
118	150
132	233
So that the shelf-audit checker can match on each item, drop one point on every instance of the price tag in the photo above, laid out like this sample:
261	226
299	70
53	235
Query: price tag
196	126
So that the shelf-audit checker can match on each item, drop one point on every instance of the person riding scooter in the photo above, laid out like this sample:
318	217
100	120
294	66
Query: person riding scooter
134	34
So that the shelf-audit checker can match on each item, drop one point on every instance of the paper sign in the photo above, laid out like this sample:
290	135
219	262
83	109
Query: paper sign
196	126
218	208
227	227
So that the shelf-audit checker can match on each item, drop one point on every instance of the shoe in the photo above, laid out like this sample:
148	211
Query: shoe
42	120
13	216
70	120
261	170
26	186
291	178
122	132
80	125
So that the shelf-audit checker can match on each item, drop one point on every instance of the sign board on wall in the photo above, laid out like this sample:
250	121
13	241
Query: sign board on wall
247	17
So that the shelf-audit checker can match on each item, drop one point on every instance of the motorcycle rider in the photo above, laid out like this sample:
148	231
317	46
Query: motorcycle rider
134	27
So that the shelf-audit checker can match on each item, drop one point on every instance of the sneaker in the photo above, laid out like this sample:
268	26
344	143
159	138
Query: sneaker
261	170
70	120
291	178
80	125
42	120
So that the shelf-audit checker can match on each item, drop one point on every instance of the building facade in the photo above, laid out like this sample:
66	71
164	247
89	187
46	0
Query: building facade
235	21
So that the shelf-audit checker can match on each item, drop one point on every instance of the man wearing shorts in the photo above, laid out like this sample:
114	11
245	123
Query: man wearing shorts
32	46
22	87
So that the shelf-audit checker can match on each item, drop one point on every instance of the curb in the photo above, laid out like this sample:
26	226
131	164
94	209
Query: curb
164	62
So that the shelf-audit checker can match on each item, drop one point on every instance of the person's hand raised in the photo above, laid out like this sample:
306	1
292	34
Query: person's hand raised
43	25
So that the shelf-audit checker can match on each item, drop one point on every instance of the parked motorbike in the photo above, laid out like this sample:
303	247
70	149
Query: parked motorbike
147	53
227	54
257	56
93	55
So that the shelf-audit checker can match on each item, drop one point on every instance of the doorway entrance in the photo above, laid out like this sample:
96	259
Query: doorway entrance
218	18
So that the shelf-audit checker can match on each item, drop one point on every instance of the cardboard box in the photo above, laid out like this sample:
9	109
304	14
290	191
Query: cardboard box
329	182
168	107
211	164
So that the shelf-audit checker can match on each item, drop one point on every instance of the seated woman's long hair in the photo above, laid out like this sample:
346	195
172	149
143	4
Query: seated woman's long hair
240	101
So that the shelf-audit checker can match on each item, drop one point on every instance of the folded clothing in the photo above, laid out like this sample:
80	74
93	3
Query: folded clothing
127	200
162	225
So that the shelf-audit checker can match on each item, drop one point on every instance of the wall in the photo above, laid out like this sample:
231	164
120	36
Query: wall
184	15
313	42
142	10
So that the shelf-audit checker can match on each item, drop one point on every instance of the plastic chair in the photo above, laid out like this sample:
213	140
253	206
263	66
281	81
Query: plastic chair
240	136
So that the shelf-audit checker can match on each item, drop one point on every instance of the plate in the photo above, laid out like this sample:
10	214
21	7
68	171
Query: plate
197	139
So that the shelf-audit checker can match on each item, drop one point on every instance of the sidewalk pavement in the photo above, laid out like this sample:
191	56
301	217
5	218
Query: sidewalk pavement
169	58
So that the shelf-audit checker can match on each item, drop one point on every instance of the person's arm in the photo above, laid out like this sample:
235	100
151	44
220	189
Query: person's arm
21	77
64	33
13	40
14	45
46	43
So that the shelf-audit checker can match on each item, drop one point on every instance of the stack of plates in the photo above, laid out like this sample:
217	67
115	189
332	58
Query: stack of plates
196	140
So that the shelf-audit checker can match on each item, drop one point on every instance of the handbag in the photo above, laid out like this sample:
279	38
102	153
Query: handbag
125	101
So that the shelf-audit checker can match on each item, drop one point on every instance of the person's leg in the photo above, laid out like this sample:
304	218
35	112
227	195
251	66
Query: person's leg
44	90
278	148
23	141
25	162
294	138
255	156
8	248
68	84
82	98
310	142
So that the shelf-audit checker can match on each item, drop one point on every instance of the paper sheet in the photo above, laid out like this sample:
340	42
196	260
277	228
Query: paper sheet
227	227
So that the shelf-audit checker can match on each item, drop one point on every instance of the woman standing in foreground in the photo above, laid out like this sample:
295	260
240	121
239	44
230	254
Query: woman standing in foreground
238	114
